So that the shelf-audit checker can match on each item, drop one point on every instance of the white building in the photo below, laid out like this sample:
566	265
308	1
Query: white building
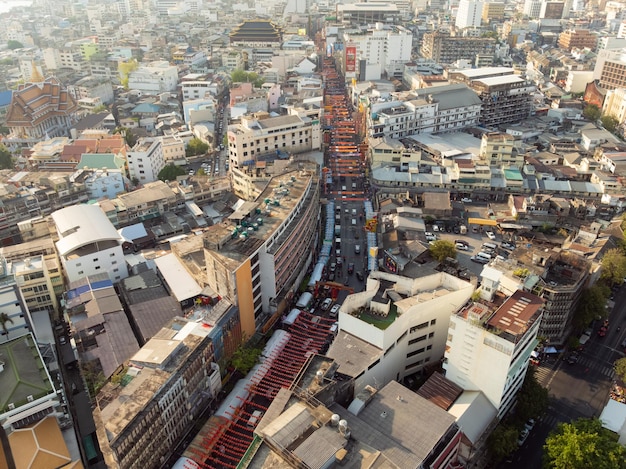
430	110
385	50
532	8
12	305
417	336
198	89
92	88
469	14
88	243
71	58
155	77
103	182
488	347
615	104
146	160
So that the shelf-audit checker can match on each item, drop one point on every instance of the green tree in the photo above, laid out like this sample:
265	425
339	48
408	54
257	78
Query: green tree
170	172
532	398
614	266
441	249
590	306
610	123
592	112
129	136
620	369
502	442
14	44
583	444
241	76
196	147
4	318
6	159
245	358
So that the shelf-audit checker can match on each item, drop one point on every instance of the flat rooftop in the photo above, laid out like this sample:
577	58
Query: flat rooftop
236	239
24	373
517	313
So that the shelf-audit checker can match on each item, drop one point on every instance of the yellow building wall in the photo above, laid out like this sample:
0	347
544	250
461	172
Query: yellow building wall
245	300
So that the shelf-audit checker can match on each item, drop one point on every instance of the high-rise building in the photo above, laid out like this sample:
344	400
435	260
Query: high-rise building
505	97
259	255
443	48
469	14
532	8
489	345
493	11
577	39
610	69
146	160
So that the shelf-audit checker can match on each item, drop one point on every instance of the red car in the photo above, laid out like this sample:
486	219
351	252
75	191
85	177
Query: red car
602	331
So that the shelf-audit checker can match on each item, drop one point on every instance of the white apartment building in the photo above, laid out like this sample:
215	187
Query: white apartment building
92	88
88	243
488	347
70	58
36	278
51	58
429	110
469	14
198	89
155	77
12	305
532	8
385	49
103	182
146	160
173	149
261	136
415	339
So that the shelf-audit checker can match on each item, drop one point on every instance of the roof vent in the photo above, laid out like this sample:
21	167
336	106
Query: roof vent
383	414
11	406
30	398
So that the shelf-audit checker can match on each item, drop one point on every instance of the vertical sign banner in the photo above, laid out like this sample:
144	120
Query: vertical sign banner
350	58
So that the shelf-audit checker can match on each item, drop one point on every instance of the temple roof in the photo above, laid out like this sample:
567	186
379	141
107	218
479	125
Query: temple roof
33	103
256	31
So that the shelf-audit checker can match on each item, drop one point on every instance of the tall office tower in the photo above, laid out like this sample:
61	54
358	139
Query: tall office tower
469	14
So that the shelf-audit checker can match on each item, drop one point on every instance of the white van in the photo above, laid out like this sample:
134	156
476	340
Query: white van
354	221
490	246
254	418
484	255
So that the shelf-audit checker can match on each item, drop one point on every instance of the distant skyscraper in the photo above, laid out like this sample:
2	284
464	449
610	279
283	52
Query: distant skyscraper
532	8
469	14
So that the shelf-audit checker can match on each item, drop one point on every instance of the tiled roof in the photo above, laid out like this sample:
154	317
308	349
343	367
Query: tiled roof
256	31
34	103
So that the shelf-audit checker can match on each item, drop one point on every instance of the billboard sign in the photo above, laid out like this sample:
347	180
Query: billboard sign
350	58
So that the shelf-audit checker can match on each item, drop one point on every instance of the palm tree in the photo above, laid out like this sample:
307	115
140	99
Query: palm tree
4	318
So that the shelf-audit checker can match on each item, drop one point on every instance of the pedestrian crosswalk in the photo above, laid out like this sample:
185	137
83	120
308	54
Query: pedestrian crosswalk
588	364
545	372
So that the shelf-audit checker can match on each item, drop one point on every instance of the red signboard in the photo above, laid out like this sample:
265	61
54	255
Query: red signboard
350	58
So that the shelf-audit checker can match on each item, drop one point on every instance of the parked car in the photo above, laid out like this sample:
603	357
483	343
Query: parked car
360	276
523	436
466	200
461	247
509	246
351	268
326	304
491	235
334	310
530	424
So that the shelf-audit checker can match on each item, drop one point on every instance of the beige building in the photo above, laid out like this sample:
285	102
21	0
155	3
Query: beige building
501	149
493	11
258	257
37	278
173	148
167	384
261	137
615	104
